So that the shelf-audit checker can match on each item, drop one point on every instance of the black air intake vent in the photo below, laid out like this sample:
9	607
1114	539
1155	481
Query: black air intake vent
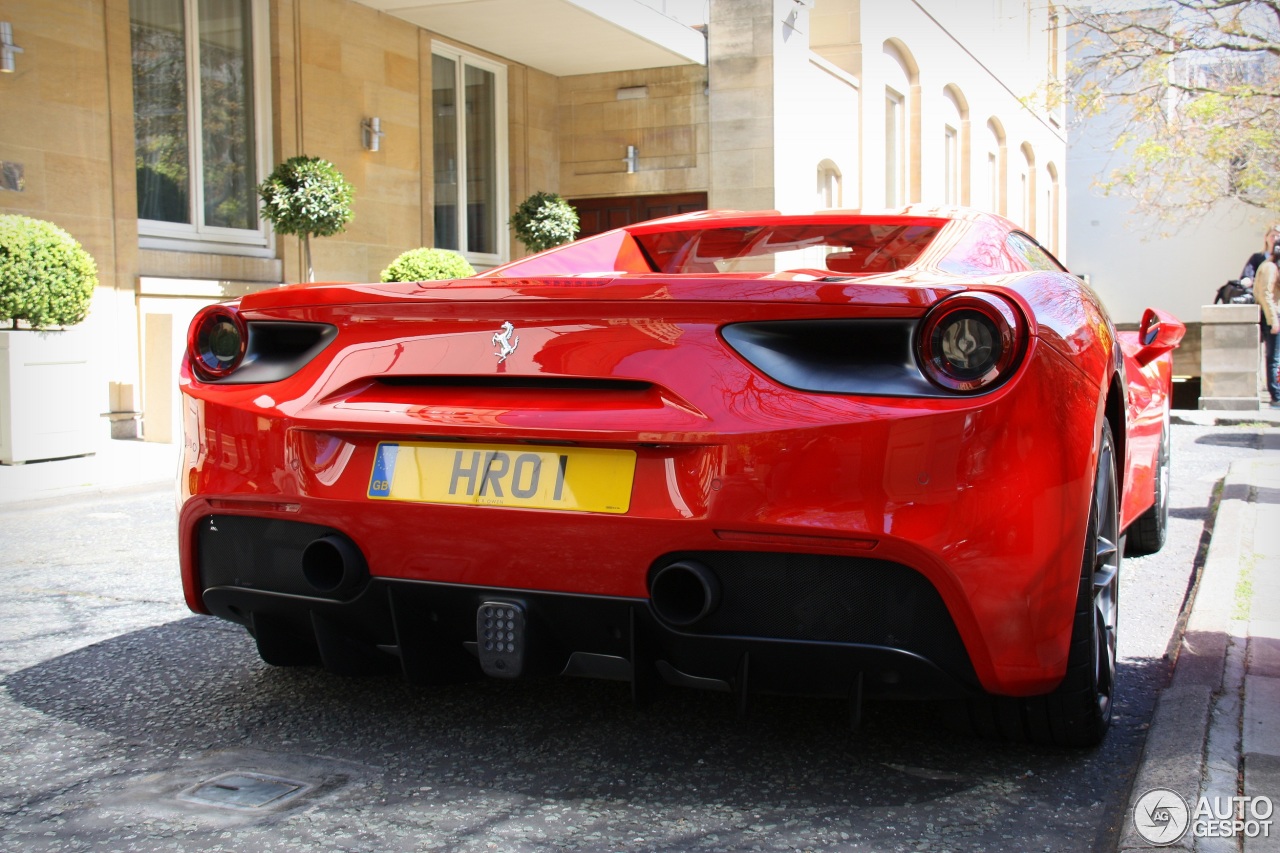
873	357
278	349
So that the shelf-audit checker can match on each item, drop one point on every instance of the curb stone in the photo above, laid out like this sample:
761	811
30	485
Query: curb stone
1215	730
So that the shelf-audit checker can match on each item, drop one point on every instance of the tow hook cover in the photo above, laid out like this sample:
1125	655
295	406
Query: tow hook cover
500	638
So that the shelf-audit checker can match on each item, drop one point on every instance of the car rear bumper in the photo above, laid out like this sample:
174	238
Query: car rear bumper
785	623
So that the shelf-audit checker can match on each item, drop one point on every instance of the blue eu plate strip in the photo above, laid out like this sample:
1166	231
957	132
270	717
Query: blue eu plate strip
384	468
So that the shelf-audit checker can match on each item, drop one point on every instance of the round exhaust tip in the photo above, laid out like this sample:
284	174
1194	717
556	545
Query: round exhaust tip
332	565
684	593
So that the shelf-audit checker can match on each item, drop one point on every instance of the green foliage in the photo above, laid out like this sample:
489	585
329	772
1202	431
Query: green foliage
1192	91
46	278
305	197
544	220
427	265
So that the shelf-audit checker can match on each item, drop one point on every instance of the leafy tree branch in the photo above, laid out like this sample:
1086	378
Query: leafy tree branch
1194	89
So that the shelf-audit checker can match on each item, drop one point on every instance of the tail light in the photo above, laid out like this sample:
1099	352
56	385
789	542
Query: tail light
971	342
216	341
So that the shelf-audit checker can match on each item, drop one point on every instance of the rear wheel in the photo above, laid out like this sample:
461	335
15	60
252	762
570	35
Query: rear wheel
1078	712
1147	534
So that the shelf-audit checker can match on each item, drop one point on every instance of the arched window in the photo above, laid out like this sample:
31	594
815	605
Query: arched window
1053	237
955	147
1027	189
901	125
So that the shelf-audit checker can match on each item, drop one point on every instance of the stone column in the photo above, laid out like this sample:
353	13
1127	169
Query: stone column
758	59
740	85
1229	357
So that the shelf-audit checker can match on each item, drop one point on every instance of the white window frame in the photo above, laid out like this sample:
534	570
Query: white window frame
1051	205
830	185
501	154
993	181
895	148
951	164
1024	199
195	237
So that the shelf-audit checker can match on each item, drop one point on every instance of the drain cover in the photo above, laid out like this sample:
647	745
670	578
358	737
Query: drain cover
244	791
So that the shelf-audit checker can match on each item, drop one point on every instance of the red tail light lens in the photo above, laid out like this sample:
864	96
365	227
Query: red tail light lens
971	342
216	341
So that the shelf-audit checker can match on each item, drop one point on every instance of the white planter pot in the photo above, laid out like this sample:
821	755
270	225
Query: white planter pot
46	396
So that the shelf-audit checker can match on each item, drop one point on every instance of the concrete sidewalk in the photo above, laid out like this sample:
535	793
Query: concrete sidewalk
115	464
1215	732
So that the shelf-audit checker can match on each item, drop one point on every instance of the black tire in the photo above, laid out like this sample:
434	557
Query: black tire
1078	712
1148	533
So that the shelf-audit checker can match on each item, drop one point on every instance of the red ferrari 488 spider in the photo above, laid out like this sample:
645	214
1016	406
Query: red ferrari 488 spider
845	454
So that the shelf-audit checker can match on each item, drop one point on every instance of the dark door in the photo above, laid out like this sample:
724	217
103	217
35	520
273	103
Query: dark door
596	215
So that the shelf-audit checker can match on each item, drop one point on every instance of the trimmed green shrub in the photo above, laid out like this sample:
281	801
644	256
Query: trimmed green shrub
306	197
427	265
544	220
46	277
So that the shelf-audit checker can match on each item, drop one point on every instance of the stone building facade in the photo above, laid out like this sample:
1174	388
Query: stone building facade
141	126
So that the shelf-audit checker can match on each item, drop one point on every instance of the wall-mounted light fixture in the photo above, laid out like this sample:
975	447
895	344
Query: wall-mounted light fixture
8	50
371	133
632	159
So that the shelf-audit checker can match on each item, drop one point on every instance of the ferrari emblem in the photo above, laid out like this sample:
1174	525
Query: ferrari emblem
504	341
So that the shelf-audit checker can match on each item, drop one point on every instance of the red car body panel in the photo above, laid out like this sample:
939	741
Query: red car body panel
984	495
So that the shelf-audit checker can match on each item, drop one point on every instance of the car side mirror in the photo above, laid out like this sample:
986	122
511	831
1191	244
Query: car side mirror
1159	333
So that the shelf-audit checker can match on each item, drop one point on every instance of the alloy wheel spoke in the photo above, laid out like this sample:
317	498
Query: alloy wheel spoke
1106	564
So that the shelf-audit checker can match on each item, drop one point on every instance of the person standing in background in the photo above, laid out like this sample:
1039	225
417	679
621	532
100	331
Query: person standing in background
1269	241
1266	292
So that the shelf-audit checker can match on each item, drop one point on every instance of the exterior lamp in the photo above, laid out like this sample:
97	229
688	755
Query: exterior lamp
371	133
8	50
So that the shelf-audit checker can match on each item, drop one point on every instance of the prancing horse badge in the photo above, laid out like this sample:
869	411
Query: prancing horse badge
504	342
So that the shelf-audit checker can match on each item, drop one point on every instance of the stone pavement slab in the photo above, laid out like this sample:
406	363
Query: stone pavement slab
1264	648
117	463
1261	709
1215	732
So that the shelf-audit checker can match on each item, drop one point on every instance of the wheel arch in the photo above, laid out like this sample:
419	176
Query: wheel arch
1114	411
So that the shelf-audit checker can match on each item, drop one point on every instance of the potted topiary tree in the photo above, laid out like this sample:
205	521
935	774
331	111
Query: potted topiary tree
427	265
544	220
46	399
306	197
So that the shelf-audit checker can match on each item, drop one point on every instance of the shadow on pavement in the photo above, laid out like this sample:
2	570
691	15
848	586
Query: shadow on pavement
1268	440
197	684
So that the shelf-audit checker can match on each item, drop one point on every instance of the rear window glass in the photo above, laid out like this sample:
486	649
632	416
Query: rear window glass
1031	253
843	249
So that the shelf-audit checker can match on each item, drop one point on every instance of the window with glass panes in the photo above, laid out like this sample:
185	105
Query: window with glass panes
468	101
197	140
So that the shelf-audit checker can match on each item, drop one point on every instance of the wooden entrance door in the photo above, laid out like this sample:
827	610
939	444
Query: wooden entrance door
596	215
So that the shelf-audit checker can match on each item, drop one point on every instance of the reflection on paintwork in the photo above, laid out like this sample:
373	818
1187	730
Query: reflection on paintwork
984	496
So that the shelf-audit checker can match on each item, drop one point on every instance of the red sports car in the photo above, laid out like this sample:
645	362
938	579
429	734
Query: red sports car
852	454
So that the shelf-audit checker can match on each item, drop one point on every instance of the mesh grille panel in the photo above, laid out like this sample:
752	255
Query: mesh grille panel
258	553
829	599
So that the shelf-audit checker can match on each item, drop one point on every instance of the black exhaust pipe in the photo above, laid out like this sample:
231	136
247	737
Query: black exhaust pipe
684	593
333	566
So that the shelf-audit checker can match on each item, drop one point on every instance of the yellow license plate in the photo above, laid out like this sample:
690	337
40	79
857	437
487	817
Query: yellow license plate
580	479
